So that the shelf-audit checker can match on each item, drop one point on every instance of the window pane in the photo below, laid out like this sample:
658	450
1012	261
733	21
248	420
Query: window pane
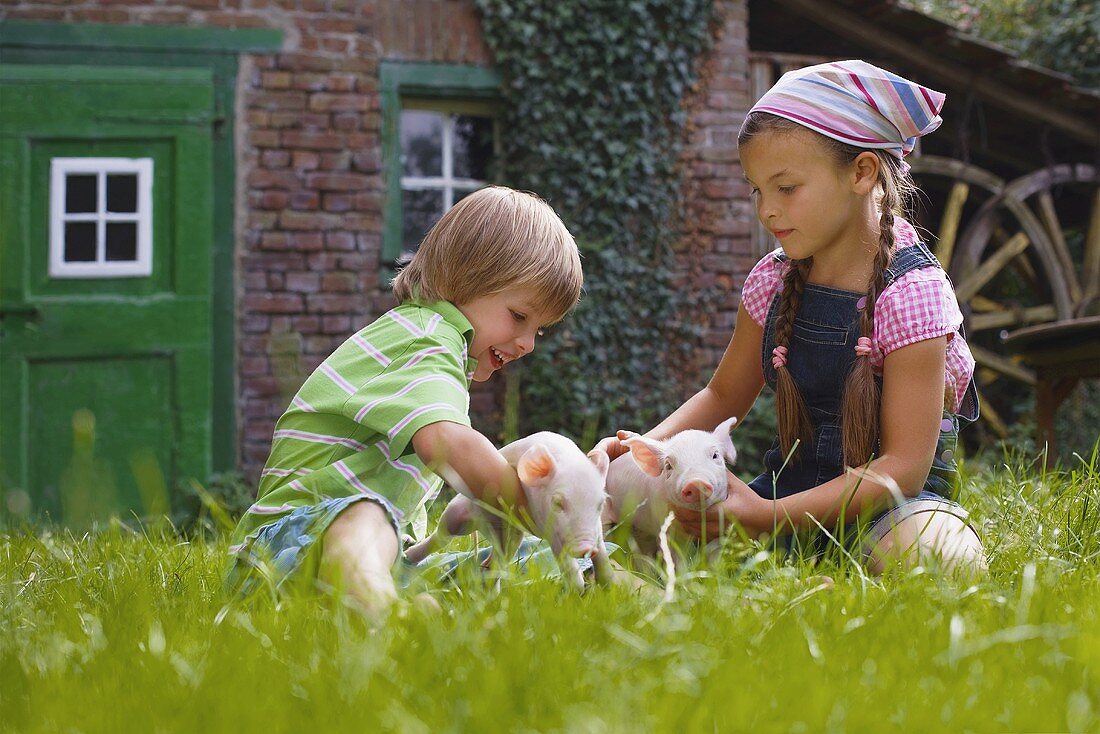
420	209
122	241
421	143
80	193
473	147
80	241
121	193
460	194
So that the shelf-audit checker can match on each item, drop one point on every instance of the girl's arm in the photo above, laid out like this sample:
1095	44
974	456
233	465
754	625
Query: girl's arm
911	411
731	391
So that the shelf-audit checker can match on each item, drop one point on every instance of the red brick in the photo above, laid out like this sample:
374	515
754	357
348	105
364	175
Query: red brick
276	79
274	200
299	121
272	303
303	282
326	303
338	282
313	140
346	121
261	178
308	324
305	200
288	100
263	138
307	241
337	202
336	325
336	182
304	160
311	82
335	161
339	241
255	323
275	158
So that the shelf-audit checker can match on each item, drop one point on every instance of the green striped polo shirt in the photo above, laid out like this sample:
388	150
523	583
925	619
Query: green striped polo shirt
349	429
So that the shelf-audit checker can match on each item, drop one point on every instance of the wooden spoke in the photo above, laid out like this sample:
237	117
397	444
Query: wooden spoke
992	418
1058	238
1004	365
949	225
991	266
1092	258
1012	317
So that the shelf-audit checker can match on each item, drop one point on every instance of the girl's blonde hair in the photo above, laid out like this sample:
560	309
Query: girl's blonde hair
494	240
860	405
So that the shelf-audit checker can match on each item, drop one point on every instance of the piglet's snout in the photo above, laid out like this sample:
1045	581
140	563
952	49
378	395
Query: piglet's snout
696	491
583	549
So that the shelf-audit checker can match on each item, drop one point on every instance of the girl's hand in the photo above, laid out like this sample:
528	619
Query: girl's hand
613	445
743	506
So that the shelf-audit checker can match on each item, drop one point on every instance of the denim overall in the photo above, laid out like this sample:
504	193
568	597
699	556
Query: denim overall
820	356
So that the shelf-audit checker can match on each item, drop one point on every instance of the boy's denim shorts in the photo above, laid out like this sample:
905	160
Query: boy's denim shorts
287	553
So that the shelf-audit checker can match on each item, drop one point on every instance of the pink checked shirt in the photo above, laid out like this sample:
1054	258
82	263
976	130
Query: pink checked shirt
919	305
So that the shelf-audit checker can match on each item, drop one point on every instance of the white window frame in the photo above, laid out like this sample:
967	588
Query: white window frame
142	266
447	181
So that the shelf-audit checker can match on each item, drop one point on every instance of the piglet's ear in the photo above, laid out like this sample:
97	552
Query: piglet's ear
599	458
722	433
647	454
535	466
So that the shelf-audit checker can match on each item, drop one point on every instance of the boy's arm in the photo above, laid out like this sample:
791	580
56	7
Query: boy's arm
470	463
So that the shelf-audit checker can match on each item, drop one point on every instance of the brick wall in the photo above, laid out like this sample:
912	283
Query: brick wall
309	203
717	250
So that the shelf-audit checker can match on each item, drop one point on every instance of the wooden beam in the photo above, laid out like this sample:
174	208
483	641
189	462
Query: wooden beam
854	27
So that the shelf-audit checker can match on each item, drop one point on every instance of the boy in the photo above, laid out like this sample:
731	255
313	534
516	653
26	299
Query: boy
361	450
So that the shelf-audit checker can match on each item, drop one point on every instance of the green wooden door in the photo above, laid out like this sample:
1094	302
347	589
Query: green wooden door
105	295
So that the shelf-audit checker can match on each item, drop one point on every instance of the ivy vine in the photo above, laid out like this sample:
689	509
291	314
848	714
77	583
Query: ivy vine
594	119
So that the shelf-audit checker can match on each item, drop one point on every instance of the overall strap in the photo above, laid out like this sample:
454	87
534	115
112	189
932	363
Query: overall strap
907	259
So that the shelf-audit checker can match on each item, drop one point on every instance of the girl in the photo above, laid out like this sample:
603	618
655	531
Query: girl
851	321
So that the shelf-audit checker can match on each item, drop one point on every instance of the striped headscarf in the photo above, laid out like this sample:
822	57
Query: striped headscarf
856	103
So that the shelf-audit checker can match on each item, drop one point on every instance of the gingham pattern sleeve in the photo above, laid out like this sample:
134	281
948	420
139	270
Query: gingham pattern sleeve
919	305
761	285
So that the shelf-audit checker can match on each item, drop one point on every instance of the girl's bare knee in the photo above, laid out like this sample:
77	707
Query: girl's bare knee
930	537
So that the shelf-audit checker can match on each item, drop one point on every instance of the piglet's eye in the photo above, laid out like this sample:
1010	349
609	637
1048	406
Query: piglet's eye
668	465
715	457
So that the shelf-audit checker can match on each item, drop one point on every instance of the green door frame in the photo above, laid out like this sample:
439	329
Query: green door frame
216	49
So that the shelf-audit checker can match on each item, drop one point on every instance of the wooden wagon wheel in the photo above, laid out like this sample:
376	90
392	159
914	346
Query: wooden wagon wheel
1021	258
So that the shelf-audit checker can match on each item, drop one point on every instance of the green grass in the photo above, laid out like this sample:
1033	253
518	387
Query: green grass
130	631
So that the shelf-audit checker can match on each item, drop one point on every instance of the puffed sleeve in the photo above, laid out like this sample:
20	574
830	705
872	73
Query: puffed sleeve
761	285
919	305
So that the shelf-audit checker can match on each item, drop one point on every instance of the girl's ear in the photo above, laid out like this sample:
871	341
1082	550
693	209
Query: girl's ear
865	169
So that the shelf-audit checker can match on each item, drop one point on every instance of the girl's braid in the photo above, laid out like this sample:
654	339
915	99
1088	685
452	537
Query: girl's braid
793	418
860	407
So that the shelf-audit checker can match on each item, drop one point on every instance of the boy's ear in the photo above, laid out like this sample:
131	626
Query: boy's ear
647	454
865	169
535	466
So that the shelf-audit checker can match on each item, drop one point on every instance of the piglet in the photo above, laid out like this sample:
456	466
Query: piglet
565	498
688	469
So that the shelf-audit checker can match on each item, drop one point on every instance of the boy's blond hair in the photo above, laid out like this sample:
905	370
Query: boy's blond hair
494	240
